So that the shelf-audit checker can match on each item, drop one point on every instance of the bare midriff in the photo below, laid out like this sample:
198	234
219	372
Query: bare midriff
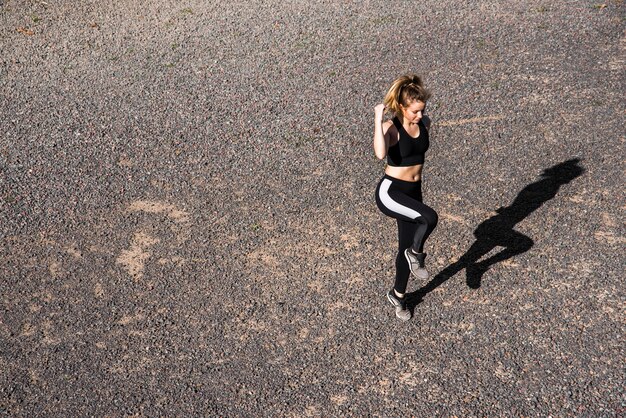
410	173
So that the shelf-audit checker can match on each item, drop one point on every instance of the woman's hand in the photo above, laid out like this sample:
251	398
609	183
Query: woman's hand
379	111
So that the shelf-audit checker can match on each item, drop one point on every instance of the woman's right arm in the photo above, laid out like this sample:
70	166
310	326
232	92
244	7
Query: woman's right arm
381	139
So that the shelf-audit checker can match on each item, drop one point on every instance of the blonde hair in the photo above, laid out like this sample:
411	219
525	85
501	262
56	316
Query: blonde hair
403	91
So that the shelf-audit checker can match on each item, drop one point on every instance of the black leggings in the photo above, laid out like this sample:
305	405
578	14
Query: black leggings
402	200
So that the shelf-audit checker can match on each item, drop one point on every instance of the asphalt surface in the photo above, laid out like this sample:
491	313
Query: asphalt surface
188	225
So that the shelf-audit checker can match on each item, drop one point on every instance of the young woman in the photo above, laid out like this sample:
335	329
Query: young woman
404	141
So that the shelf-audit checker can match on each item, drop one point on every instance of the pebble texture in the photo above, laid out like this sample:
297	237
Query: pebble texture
187	221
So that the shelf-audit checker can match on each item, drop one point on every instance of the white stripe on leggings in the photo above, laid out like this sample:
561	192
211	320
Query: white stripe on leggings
392	204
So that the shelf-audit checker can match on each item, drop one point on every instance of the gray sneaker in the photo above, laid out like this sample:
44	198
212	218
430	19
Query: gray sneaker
400	304
416	263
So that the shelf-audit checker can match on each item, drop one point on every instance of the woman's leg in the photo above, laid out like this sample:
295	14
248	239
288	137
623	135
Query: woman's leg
404	207
426	224
406	234
416	221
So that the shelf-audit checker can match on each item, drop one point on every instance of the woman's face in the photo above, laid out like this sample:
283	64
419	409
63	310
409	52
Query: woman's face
414	111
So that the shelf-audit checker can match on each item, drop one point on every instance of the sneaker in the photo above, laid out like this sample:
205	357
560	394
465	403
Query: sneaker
416	263
400	304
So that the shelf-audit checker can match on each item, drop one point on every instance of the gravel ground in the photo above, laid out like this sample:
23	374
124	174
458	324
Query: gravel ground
188	224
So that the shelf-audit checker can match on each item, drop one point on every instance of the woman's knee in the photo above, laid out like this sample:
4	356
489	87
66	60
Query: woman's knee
435	219
431	218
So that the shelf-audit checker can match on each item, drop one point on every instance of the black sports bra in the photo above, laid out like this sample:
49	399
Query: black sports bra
408	151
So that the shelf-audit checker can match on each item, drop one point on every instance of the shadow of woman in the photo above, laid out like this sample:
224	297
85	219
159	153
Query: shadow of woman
498	231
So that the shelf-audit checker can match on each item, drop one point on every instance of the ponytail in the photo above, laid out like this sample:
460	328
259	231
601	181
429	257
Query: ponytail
405	90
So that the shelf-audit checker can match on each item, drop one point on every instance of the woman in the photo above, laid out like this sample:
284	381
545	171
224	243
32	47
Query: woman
404	141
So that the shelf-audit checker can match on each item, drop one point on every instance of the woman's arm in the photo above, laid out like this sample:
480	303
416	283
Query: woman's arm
381	139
